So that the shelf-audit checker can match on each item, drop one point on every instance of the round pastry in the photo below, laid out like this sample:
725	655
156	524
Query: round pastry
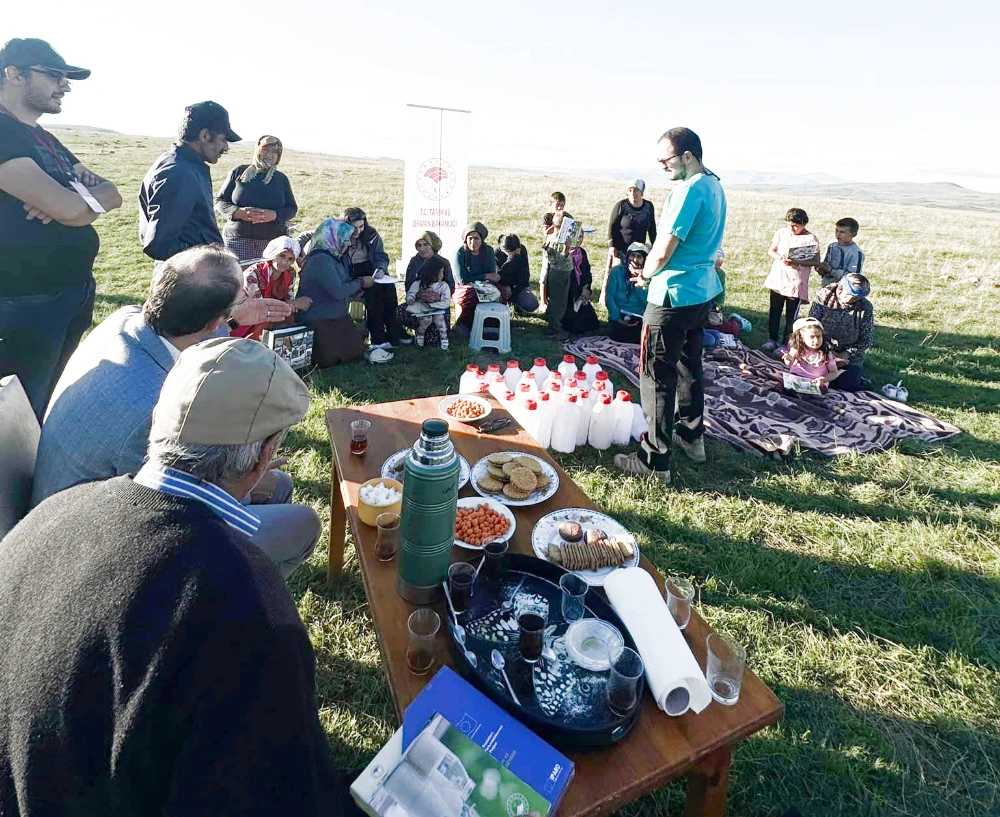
496	472
530	463
499	458
542	481
571	531
523	479
490	485
595	535
511	492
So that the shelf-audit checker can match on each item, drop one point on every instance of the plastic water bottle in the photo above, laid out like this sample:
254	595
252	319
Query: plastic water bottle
529	379
427	526
524	392
594	397
599	388
530	416
639	424
623	418
492	369
481	385
602	377
580	381
546	413
467	382
512	374
583	427
564	427
602	424
541	371
497	385
591	368
554	377
568	366
554	388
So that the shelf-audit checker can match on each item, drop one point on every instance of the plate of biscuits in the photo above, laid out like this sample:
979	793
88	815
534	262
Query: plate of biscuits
588	543
514	478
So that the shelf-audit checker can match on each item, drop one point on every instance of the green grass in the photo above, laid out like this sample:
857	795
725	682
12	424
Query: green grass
865	588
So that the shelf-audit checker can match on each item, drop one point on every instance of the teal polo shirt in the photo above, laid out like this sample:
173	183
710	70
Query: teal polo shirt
696	213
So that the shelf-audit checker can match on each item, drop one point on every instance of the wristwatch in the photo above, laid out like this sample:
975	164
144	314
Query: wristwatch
232	323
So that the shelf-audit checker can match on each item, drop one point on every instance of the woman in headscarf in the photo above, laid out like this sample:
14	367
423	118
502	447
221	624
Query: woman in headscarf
580	316
257	200
475	263
272	278
367	256
428	245
326	281
848	322
633	220
625	301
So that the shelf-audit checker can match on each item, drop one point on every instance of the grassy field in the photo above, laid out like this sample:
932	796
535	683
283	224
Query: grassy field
867	589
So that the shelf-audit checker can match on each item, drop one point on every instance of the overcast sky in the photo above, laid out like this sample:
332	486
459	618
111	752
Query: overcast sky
872	91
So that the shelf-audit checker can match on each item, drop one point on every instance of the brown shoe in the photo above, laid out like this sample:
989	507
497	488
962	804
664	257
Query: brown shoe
633	466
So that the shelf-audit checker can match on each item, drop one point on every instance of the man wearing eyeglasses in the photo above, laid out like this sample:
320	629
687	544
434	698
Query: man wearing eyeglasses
48	201
681	279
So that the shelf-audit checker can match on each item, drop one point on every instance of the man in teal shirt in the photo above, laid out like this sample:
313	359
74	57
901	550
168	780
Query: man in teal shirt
681	279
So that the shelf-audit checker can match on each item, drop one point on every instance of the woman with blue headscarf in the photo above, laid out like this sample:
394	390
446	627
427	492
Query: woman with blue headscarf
326	280
848	323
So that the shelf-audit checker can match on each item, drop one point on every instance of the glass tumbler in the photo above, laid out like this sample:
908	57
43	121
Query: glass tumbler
574	594
623	682
680	593
532	622
423	625
496	560
724	668
359	436
387	542
461	576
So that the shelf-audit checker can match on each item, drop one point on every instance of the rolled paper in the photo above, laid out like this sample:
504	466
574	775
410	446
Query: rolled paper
675	680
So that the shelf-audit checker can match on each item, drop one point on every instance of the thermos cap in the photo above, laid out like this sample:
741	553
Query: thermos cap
434	428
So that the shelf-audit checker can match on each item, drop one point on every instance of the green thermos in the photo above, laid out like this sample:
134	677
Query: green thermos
427	528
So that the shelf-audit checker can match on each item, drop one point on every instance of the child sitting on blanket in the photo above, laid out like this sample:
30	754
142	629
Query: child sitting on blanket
809	353
429	300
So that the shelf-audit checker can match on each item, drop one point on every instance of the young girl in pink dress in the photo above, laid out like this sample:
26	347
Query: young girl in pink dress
809	353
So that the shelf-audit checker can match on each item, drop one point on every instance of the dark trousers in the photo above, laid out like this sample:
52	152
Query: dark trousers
380	307
850	379
38	333
624	334
670	379
779	304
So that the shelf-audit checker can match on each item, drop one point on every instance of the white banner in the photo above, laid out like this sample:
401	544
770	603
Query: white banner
436	181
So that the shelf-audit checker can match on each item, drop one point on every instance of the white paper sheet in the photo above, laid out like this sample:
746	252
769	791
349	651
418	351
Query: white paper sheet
674	677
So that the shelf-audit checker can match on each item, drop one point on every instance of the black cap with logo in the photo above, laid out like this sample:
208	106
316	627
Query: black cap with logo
213	116
29	52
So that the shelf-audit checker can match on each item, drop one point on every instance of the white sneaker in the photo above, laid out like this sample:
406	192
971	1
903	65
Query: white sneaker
379	355
633	466
693	451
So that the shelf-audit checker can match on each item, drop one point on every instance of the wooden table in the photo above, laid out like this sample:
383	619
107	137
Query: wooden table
659	748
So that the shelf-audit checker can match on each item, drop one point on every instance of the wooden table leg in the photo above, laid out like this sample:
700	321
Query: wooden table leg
338	527
707	786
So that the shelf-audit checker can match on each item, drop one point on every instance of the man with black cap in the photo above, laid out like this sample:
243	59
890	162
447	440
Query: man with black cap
153	659
176	205
48	200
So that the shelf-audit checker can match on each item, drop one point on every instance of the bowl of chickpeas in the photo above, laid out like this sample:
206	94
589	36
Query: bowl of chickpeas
466	408
479	520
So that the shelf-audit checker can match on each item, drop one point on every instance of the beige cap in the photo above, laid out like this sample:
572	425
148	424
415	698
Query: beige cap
228	391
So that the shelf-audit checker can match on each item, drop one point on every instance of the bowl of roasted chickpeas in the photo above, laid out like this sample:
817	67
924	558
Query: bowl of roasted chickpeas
466	408
479	520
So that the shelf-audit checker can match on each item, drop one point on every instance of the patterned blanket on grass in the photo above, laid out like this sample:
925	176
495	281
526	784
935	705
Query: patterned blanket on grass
746	406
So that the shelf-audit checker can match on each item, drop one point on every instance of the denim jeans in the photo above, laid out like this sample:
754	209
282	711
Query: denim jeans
38	333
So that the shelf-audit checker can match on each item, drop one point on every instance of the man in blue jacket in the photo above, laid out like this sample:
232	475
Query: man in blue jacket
176	205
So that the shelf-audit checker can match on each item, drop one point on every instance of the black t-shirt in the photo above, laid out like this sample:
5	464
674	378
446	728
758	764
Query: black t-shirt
36	258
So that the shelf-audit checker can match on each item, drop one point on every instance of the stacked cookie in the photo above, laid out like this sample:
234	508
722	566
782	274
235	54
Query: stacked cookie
591	551
516	477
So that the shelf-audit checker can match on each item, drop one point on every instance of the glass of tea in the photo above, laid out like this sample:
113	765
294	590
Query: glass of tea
622	691
359	436
532	622
387	542
461	577
496	560
423	625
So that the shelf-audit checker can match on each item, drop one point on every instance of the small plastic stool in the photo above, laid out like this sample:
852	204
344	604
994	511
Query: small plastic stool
491	327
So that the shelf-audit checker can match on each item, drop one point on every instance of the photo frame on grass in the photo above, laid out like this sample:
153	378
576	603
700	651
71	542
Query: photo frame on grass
293	344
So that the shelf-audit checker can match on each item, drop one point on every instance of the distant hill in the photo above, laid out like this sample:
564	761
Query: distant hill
936	194
87	128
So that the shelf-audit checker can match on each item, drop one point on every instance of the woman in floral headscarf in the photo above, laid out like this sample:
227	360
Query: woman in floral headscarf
272	278
326	281
257	199
428	245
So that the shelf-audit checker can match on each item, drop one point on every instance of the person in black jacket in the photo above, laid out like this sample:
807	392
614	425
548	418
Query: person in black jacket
515	275
153	659
257	200
175	198
580	316
427	245
632	220
367	257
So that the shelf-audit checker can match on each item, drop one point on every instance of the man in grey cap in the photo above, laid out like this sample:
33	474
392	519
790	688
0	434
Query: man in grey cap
48	201
176	205
154	660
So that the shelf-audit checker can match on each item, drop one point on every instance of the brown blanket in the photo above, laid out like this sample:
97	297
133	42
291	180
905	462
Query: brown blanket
745	405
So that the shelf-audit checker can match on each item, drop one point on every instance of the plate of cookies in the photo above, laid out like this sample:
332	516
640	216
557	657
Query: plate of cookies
588	543
514	478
